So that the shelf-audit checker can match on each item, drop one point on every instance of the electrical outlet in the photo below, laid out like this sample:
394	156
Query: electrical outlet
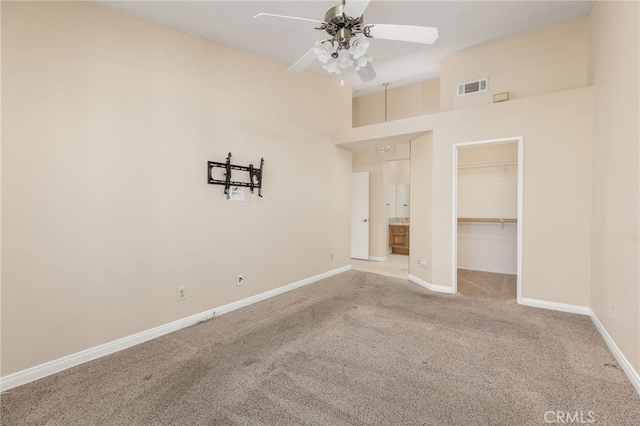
182	293
423	263
239	279
613	311
331	256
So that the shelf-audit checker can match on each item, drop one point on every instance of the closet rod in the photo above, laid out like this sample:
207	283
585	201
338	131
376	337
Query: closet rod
486	220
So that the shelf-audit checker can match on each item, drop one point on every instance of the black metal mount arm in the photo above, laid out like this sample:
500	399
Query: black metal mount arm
255	175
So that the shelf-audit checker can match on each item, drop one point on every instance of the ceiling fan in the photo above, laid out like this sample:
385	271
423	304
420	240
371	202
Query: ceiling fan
349	39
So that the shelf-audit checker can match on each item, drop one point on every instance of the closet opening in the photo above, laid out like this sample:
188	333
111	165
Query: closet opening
487	218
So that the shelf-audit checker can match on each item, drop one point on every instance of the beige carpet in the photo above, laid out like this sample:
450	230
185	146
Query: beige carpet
487	284
358	348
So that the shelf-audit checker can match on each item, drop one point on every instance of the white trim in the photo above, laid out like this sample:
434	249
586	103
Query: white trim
454	218
60	364
555	306
378	258
520	220
432	287
632	374
454	208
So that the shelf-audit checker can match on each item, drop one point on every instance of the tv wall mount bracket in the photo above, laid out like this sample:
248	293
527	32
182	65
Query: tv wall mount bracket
255	175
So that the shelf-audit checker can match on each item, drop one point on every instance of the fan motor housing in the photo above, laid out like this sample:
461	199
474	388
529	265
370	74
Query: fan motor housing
337	22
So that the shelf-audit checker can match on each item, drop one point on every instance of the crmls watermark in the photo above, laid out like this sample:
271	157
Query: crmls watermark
569	417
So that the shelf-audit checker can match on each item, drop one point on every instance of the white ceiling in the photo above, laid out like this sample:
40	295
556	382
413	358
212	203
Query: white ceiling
461	24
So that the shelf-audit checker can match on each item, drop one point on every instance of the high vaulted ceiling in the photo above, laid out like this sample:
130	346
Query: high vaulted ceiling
461	24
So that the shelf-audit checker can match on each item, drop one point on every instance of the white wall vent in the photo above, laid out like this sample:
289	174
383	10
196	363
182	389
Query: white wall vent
473	86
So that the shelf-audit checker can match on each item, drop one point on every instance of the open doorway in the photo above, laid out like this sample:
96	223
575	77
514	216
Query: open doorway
389	220
487	209
397	213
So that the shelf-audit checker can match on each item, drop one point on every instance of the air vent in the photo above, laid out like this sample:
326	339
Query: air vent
473	87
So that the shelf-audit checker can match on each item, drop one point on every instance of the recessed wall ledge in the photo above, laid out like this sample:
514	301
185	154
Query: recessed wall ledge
390	133
407	129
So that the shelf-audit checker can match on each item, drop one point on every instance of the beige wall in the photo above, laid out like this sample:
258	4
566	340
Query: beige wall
615	261
534	63
398	171
557	193
420	241
544	71
581	152
366	161
402	102
557	132
108	123
491	152
489	190
581	159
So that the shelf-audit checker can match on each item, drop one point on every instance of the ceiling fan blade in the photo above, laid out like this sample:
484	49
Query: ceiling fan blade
301	63
272	17
415	34
355	8
367	73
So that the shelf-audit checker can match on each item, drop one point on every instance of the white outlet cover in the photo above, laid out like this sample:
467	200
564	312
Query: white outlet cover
236	194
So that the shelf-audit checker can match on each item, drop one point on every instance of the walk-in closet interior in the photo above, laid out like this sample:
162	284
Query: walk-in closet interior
487	191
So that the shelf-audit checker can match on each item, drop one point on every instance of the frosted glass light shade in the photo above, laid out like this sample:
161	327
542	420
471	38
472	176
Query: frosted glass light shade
344	57
323	51
359	46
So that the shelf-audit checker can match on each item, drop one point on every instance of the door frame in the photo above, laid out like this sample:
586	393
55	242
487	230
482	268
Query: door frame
454	204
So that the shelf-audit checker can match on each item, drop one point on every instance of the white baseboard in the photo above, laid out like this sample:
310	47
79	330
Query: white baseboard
429	286
60	364
632	374
555	306
378	258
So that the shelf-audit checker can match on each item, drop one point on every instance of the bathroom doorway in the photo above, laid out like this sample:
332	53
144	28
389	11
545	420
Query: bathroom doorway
389	172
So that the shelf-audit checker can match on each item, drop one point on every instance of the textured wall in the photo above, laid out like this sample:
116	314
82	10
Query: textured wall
108	124
615	268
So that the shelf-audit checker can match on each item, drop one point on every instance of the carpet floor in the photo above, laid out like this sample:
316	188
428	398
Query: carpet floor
355	349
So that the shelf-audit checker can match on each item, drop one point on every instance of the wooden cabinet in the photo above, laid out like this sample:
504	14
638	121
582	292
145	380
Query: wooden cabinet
399	239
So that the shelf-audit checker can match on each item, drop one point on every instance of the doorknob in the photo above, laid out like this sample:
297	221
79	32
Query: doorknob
365	220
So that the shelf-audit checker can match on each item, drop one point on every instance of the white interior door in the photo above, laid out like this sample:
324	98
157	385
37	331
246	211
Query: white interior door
402	200
391	201
360	215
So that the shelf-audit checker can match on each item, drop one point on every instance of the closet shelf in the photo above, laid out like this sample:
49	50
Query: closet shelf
486	220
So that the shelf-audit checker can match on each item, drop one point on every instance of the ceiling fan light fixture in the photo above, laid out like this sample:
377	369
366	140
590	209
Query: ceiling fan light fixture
332	67
348	53
344	59
349	39
359	46
362	62
323	51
